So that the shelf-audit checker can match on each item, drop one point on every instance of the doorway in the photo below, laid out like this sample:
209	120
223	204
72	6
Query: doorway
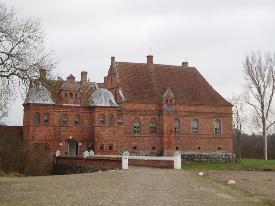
72	147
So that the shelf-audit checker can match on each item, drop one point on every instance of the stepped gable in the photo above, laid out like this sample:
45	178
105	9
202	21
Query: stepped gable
55	87
141	82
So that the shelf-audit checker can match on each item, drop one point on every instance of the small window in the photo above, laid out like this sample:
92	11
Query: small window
66	95
217	127
153	126
199	148
111	120
36	118
102	119
177	126
194	126
46	147
219	148
110	147
101	147
136	125
71	95
153	148
46	118
36	146
134	147
75	95
120	118
77	120
64	120
177	148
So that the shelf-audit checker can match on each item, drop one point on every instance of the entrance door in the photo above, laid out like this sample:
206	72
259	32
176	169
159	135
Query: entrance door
72	147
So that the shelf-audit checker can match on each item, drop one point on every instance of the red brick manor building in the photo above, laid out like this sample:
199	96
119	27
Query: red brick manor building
144	108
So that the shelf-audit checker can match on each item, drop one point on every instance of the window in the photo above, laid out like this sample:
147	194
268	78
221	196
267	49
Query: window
153	126
66	95
46	118
177	126
217	127
111	120
120	118
102	119
64	120
71	95
153	148
134	147
101	147
36	118
137	127
194	126
46	147
110	147
77	120
198	147
219	148
75	95
36	146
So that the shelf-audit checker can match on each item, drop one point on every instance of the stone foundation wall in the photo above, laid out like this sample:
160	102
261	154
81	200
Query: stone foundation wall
208	157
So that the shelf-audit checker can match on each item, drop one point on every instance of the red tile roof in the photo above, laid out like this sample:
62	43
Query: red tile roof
142	83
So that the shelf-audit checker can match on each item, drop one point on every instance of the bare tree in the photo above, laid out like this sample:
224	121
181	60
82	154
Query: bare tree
21	54
259	73
239	119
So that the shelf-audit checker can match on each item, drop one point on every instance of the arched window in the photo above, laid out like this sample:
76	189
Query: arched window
36	118
137	125
46	118
64	120
77	120
217	127
153	126
194	126
177	126
111	120
102	119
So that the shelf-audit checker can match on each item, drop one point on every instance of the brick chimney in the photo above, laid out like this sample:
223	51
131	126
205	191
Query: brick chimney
84	77
184	64
42	73
150	60
113	59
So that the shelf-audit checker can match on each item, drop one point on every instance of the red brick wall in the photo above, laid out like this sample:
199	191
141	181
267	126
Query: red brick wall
97	162
152	163
121	135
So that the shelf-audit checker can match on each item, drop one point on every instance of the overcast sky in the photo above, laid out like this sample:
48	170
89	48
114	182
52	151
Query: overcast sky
212	35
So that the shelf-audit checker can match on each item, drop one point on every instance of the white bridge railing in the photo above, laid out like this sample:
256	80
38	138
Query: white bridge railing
176	158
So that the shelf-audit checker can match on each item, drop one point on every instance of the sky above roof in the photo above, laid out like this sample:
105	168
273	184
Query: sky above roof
211	35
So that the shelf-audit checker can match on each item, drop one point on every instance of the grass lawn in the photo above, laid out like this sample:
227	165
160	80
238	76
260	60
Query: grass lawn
244	164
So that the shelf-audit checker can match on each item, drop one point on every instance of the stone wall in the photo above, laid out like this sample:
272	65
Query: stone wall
208	157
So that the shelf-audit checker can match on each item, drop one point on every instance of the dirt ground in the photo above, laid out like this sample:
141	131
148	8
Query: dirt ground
137	186
260	183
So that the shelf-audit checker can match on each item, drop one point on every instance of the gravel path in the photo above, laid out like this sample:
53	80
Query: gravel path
137	186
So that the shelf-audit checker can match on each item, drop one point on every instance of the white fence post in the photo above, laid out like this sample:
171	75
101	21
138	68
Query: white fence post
125	156
177	160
